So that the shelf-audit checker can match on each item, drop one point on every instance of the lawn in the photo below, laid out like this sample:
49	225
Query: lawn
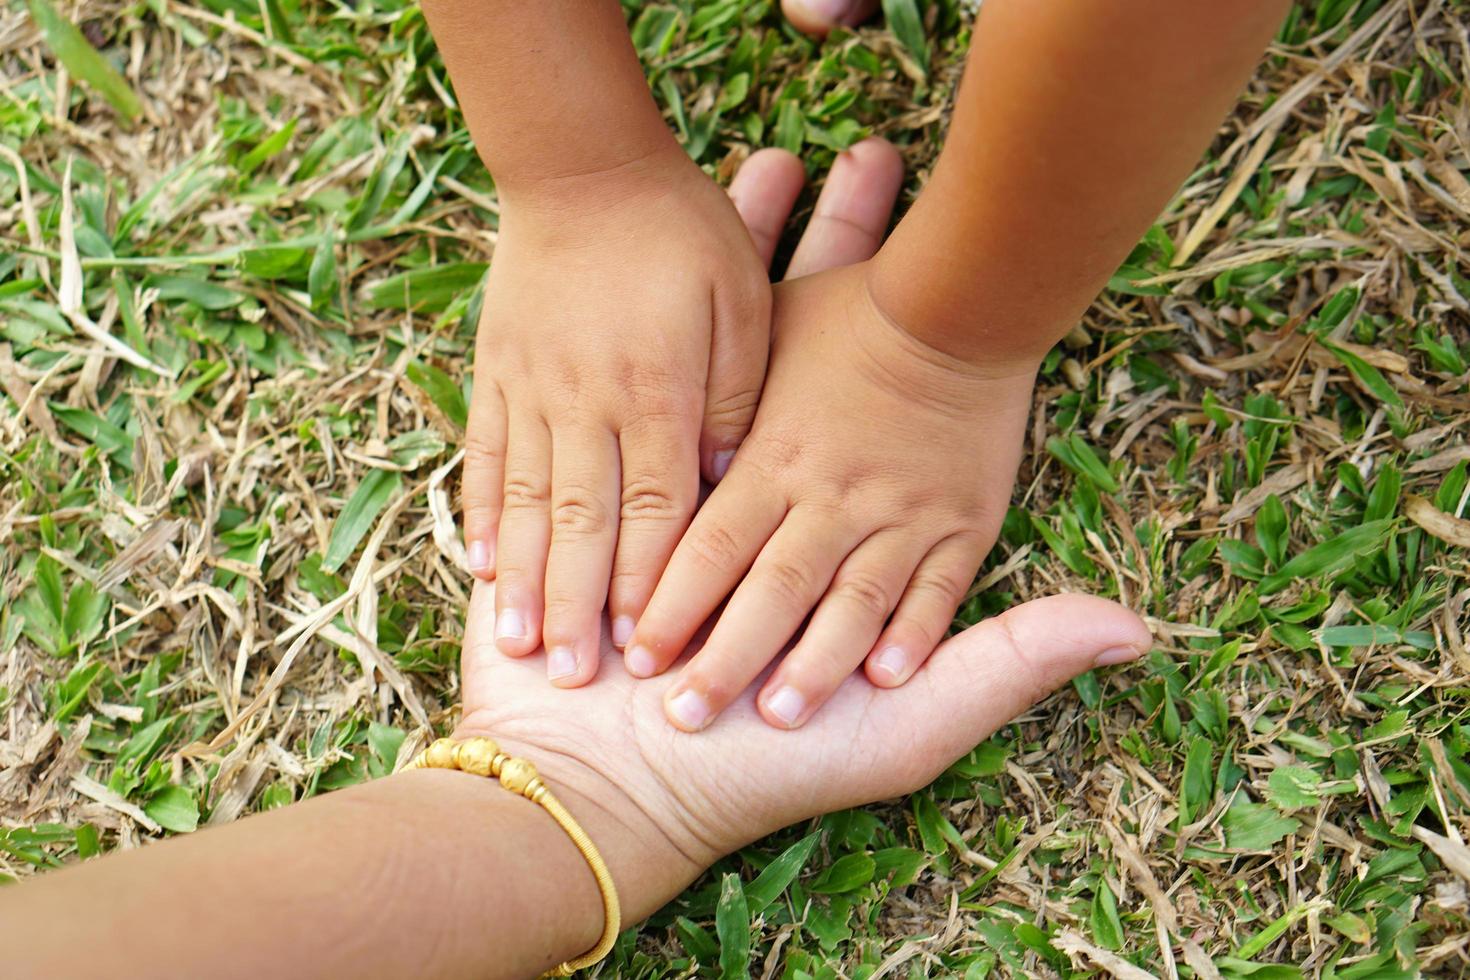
241	243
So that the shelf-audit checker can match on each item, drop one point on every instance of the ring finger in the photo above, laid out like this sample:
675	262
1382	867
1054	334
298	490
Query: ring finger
864	593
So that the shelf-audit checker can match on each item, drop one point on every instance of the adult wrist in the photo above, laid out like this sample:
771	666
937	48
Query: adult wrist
647	867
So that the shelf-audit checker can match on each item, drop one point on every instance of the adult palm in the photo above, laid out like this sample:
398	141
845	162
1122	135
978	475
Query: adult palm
674	802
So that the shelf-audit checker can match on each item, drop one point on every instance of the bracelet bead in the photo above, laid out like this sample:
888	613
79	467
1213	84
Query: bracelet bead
517	775
440	755
477	755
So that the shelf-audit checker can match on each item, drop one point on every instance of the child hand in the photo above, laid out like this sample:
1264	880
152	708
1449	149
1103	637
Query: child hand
621	349
871	486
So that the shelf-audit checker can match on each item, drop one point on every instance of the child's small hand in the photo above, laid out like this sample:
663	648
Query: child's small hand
871	486
621	349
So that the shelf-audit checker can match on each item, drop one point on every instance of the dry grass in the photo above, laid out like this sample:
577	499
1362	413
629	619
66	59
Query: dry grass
1283	782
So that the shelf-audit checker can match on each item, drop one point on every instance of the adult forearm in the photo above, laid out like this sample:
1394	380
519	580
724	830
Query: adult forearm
423	874
1075	123
551	89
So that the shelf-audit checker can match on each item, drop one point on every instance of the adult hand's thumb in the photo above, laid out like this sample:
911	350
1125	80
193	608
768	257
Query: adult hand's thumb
980	680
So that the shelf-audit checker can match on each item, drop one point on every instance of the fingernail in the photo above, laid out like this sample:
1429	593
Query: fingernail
721	463
1117	655
891	661
479	556
786	704
622	630
510	625
560	662
831	11
691	710
640	662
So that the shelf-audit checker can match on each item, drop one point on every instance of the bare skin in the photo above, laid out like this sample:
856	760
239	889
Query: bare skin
624	333
884	449
444	875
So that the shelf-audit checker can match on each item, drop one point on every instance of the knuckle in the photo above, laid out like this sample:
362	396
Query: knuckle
732	410
790	580
941	585
525	490
579	515
649	499
715	546
867	592
1035	682
479	450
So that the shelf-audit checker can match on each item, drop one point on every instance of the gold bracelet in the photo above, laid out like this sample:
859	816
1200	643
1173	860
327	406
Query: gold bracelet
482	757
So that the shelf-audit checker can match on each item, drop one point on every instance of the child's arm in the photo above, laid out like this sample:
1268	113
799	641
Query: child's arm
1075	124
625	328
883	455
550	90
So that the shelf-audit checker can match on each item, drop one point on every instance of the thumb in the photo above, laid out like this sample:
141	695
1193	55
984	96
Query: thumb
737	369
980	680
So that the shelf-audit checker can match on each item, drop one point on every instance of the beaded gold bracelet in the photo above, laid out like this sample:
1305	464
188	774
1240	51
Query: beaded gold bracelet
482	757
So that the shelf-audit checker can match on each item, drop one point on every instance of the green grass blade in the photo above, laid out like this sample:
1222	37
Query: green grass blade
906	25
84	61
356	519
732	926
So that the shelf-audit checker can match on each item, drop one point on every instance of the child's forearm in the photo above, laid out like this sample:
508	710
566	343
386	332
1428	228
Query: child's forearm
550	89
1074	125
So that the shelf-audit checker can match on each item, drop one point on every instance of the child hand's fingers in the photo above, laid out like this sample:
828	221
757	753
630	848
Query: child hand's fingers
764	190
525	535
585	482
925	612
791	574
863	594
710	559
853	209
660	491
739	346
484	474
818	17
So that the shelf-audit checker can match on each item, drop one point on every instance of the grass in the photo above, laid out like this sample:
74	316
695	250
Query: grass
272	213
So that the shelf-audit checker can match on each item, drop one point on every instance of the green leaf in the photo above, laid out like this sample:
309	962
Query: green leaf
101	433
268	147
777	876
1367	375
442	391
1198	783
1075	454
85	610
427	290
904	21
1271	530
732	926
84	61
195	290
357	518
1107	928
1256	826
1293	788
847	873
385	741
696	940
174	808
412	448
321	280
1330	556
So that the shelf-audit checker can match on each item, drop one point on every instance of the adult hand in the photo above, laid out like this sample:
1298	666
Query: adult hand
662	804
